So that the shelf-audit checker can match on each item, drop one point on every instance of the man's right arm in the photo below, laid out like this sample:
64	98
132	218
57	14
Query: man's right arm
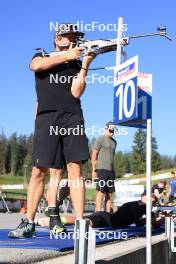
94	162
45	63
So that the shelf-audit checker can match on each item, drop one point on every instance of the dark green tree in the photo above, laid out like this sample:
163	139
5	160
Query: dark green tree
167	162
174	162
156	159
139	152
28	157
119	165
127	162
3	148
22	152
87	170
8	158
14	153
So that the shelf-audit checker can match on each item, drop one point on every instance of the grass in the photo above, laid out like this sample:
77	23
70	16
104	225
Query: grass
90	192
144	175
20	194
14	194
11	180
20	179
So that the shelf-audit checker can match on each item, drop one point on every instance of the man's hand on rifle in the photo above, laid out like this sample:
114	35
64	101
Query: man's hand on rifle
87	59
74	53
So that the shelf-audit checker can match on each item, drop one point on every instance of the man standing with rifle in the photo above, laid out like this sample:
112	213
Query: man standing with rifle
58	106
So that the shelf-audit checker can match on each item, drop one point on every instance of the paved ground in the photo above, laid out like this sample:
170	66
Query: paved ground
11	255
10	220
18	256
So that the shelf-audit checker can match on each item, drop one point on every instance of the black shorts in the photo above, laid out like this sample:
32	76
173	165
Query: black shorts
105	181
59	138
100	219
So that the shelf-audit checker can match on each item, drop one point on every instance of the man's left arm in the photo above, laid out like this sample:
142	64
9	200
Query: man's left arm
79	83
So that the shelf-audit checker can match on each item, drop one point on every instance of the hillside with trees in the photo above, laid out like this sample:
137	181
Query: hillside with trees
16	156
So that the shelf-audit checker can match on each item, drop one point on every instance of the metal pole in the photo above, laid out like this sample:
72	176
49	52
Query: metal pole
76	246
148	174
172	235
119	40
81	241
5	204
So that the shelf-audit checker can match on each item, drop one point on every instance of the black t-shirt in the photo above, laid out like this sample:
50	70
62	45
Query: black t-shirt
128	213
53	87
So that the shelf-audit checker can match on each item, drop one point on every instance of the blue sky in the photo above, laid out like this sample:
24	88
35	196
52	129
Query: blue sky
25	25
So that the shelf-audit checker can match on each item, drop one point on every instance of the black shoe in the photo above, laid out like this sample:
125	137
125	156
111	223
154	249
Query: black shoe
58	204
25	229
56	225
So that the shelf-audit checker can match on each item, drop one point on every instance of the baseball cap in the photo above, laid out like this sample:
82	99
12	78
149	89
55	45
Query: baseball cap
68	28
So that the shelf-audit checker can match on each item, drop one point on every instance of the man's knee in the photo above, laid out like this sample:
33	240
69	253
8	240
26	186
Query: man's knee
55	177
56	174
100	194
38	173
74	170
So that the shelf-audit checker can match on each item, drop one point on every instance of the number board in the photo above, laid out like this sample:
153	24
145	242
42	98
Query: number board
132	95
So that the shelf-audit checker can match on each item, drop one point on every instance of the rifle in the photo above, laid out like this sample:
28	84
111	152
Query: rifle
96	47
101	46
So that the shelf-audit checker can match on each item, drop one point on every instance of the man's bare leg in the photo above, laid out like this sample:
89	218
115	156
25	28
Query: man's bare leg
55	223
68	219
55	178
35	191
108	197
99	199
77	189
